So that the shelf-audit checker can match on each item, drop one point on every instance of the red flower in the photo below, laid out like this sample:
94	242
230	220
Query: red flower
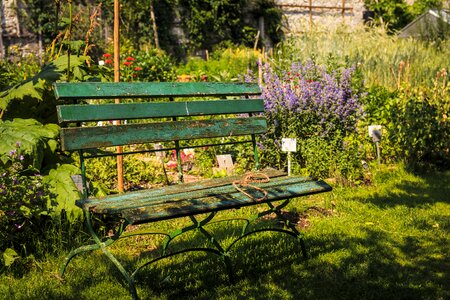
138	69
106	55
127	63
108	61
129	58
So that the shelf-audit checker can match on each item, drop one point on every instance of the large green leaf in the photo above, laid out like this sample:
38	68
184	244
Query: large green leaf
34	98
37	141
62	185
9	257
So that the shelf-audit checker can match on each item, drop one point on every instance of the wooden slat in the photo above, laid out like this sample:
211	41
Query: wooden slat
128	111
105	136
216	201
112	90
134	200
170	191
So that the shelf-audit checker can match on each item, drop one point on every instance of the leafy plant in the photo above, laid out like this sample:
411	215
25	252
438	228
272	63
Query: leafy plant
25	201
415	121
34	97
65	193
224	64
17	70
38	147
139	171
38	142
143	65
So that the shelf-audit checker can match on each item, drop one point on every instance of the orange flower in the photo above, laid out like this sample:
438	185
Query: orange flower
129	58
138	69
106	55
127	63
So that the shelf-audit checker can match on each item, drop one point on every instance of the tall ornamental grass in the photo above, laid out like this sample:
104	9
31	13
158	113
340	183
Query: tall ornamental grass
382	58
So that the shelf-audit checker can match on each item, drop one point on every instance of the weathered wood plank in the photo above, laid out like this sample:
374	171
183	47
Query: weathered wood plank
112	90
217	202
128	111
179	192
105	136
206	184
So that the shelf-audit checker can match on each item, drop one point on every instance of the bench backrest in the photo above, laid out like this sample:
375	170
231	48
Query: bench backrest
165	117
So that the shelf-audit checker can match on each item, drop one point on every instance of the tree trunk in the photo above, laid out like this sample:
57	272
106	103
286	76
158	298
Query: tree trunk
155	29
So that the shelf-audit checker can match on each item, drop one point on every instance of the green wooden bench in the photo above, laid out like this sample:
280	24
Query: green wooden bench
215	114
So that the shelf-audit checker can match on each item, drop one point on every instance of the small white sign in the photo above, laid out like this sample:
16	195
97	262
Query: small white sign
225	162
160	154
373	128
288	145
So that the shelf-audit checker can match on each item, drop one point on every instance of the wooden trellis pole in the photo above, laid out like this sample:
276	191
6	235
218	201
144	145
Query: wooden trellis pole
117	79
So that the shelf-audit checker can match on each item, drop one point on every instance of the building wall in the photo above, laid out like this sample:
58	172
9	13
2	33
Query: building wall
304	15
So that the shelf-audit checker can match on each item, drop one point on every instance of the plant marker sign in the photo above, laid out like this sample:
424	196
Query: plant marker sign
289	145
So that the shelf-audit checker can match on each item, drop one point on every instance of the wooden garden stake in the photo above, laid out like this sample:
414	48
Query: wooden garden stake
117	79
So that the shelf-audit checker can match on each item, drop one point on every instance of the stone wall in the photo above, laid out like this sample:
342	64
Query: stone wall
304	15
14	39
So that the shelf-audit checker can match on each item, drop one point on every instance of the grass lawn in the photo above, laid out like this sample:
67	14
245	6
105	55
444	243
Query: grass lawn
389	240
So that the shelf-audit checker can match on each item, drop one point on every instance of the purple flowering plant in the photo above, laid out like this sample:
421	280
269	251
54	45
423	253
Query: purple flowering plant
24	199
309	101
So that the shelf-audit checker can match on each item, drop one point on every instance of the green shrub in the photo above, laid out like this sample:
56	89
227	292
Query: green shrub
415	121
25	203
155	65
33	98
334	157
138	170
17	70
223	65
143	65
39	149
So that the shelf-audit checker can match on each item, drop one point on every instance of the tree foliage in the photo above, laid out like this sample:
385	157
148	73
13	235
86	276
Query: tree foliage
395	14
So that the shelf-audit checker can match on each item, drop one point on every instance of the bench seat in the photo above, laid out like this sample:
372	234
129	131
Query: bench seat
199	197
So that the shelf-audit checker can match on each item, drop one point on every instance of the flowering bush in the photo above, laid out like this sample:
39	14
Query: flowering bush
321	102
24	200
310	103
149	65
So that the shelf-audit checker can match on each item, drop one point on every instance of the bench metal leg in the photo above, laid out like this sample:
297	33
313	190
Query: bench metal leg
276	210
291	227
102	246
225	257
197	225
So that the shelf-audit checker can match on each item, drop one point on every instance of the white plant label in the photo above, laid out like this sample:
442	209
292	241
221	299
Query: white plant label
288	145
373	128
